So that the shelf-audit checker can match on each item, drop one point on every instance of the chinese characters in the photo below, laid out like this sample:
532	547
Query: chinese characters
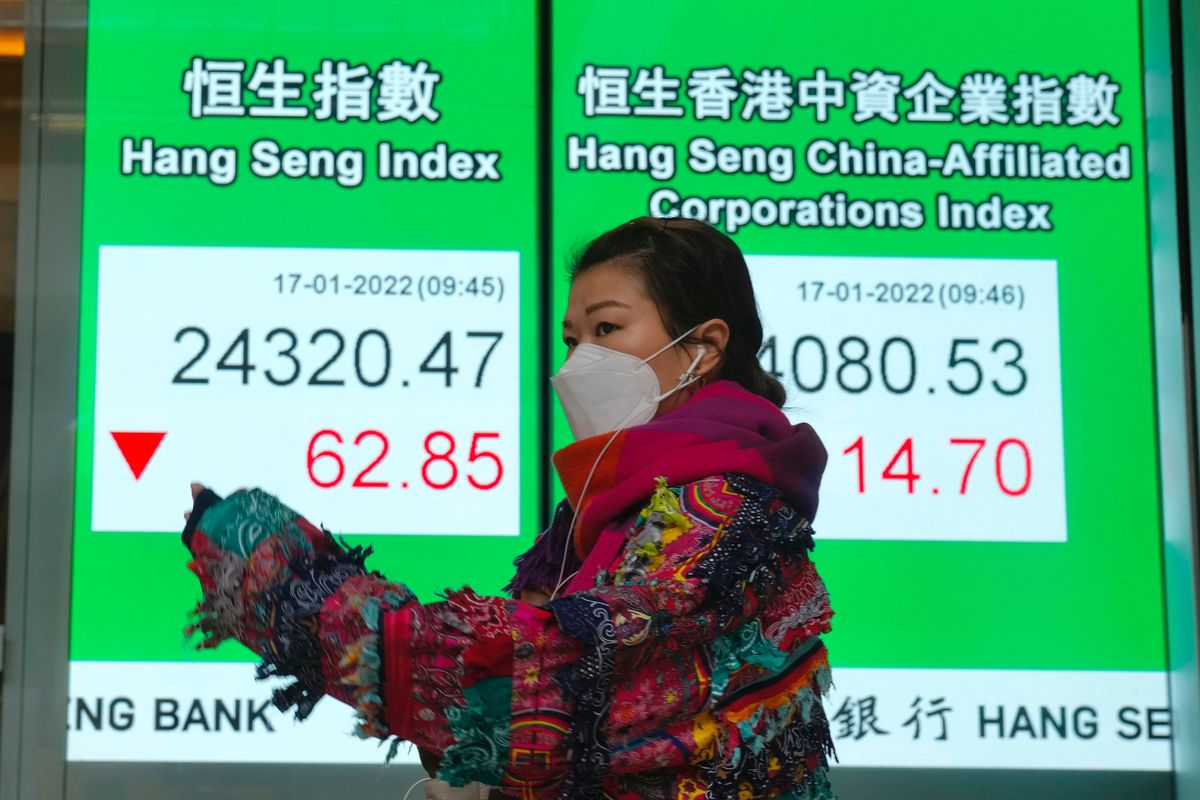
772	94
341	91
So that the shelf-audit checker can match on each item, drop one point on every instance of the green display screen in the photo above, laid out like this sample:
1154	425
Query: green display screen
946	224
313	262
310	263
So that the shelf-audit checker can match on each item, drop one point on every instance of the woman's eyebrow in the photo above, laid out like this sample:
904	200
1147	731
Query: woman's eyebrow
605	304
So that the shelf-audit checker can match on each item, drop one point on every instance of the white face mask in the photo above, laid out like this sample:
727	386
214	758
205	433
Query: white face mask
603	390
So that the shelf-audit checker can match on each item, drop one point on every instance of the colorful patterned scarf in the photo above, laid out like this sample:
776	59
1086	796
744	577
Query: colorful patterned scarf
721	428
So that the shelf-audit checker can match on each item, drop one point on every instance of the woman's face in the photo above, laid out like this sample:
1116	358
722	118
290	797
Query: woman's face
609	306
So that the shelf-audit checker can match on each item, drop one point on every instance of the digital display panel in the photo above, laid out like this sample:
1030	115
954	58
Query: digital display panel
945	221
310	264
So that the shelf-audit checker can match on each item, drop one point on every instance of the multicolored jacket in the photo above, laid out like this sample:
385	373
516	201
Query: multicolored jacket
683	660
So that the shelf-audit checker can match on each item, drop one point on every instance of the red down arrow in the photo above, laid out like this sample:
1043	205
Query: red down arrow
138	447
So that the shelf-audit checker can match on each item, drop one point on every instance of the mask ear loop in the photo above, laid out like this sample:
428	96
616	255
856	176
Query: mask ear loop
690	376
685	379
669	345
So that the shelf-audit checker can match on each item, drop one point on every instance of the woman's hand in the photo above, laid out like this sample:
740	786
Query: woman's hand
197	490
242	547
285	589
202	499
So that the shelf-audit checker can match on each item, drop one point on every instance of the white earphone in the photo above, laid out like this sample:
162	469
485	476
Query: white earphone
690	375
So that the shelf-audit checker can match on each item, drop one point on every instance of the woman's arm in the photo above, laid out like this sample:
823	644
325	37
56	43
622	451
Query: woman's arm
294	596
512	693
715	596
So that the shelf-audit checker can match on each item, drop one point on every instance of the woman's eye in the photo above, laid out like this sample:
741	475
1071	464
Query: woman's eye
569	342
605	328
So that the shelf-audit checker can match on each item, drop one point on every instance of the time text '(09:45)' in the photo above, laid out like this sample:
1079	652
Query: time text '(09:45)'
403	286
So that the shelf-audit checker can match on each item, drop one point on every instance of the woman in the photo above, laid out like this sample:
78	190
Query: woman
666	640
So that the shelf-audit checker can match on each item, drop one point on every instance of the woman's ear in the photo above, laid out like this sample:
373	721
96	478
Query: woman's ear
715	335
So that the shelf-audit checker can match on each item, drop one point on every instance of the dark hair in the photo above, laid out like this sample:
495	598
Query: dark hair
693	273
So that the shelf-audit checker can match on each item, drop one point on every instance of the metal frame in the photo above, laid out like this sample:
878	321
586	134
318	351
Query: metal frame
33	737
1181	533
33	743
